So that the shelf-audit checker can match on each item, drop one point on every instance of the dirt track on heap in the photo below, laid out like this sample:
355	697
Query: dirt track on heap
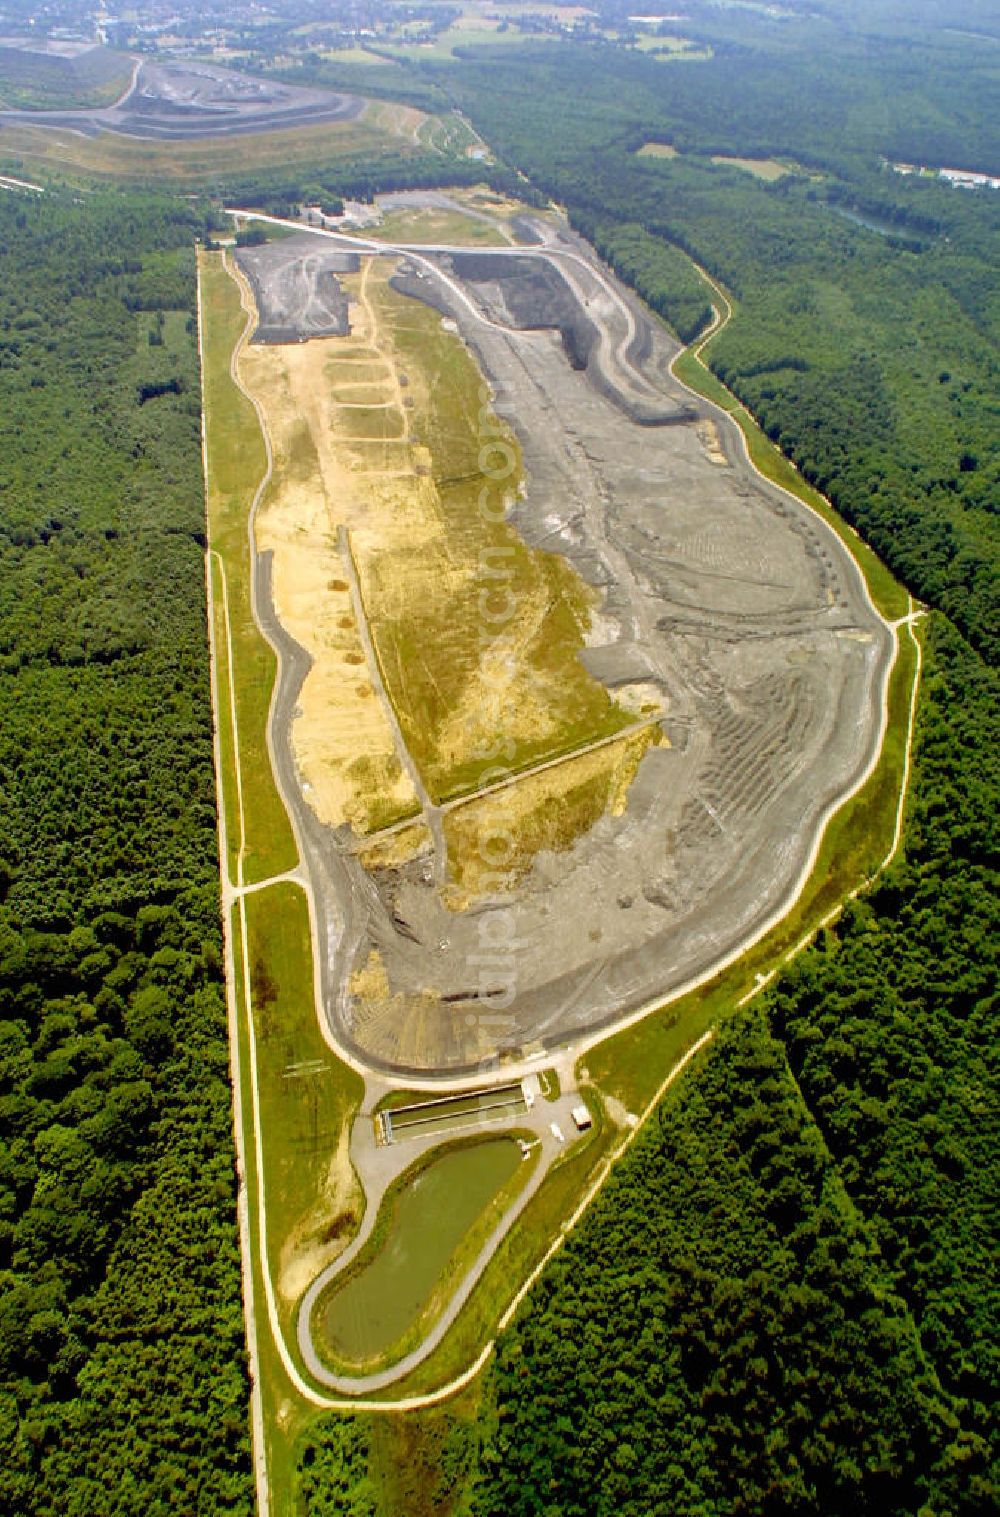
296	289
178	101
729	598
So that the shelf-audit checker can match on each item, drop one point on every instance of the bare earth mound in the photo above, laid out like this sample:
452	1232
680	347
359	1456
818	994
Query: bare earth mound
727	664
296	289
174	101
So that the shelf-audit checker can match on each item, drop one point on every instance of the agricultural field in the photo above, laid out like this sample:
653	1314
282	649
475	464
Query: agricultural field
468	31
768	169
359	55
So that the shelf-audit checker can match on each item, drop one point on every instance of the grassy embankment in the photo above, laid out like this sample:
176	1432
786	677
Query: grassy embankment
236	464
210	159
546	810
308	1099
448	134
436	224
285	1413
32	81
305	1094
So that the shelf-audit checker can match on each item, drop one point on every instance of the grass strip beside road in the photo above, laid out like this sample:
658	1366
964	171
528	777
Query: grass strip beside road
219	630
298	1168
308	1099
303	1120
284	1413
236	465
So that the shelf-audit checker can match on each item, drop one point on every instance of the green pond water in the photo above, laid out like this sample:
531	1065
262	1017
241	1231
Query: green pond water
429	1220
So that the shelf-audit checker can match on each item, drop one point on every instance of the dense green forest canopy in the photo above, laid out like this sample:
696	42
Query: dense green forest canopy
123	1386
329	184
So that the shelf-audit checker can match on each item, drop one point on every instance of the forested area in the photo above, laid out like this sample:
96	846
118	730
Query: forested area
889	1027
720	1337
661	274
123	1384
364	178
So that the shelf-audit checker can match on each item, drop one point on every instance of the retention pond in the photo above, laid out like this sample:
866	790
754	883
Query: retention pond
428	1221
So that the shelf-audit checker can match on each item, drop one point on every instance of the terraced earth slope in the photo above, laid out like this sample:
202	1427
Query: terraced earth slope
568	690
193	121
